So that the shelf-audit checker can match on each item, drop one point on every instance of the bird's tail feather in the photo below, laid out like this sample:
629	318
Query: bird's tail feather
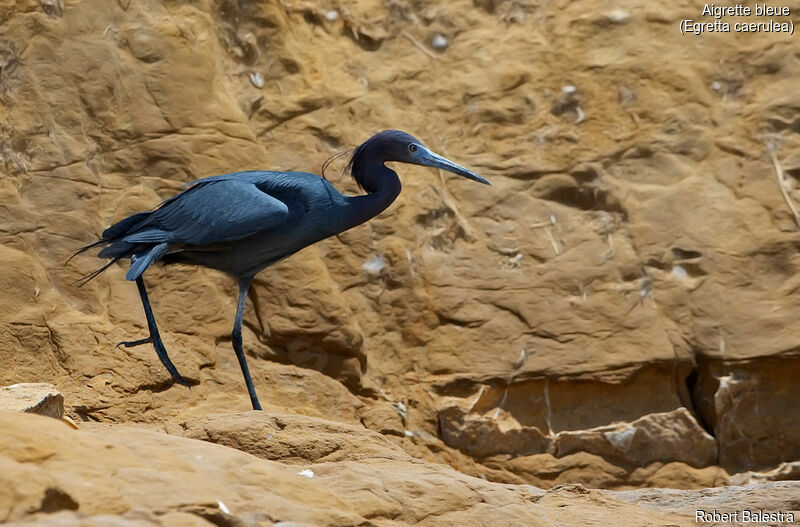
84	249
85	279
122	227
116	248
119	249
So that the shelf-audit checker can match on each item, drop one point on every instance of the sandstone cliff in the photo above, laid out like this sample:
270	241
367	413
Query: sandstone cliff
618	310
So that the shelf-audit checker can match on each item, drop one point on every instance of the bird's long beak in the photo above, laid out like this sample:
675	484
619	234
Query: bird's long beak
427	158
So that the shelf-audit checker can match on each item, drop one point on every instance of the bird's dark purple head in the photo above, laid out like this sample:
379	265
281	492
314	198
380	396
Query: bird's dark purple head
394	145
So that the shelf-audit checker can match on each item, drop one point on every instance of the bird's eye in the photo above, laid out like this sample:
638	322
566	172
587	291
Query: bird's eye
412	147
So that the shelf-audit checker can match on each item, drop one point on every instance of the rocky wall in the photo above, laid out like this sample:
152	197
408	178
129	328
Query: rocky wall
617	310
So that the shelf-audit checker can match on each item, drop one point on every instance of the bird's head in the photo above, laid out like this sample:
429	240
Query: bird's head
394	145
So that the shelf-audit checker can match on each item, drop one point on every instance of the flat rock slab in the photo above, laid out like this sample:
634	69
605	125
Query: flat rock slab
291	439
140	477
34	398
124	475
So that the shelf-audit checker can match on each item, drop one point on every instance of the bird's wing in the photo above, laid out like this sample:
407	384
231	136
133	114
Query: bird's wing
212	211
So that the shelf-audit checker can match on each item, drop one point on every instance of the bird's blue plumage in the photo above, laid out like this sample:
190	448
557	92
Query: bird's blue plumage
212	211
238	223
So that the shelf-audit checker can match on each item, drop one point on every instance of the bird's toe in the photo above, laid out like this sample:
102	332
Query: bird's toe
131	343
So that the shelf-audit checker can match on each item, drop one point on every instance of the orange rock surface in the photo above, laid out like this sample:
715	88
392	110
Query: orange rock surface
617	311
128	475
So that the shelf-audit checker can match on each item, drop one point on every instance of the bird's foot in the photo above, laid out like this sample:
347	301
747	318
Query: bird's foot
161	351
132	343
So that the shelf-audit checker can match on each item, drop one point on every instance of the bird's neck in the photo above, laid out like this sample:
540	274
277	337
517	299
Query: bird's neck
384	187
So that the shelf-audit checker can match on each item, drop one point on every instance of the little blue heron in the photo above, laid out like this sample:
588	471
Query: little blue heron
243	222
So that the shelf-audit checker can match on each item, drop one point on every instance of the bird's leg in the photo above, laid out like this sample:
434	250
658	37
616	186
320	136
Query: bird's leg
132	343
236	336
154	337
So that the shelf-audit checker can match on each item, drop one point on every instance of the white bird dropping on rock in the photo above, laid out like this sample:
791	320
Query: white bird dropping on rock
619	16
439	42
679	272
257	79
374	266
